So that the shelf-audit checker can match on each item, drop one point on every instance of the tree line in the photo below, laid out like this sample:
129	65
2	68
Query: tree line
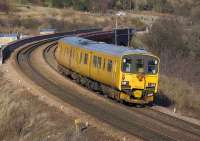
180	7
104	5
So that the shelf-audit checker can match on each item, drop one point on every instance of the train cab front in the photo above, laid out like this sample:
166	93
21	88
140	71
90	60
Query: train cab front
139	82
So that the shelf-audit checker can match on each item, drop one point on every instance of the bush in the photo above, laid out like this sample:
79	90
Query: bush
56	24
5	6
166	35
136	42
182	95
195	14
30	23
170	42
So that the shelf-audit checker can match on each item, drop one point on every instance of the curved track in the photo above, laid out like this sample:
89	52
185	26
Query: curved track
143	123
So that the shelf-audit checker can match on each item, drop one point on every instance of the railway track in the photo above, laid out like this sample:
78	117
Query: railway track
49	57
144	123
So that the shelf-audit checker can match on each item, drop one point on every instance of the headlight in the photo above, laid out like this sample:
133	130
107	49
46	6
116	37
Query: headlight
151	84
125	83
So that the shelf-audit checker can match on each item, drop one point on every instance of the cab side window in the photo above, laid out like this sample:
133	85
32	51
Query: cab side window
109	66
152	66
127	65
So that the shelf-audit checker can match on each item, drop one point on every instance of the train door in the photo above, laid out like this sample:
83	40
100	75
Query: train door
94	67
90	64
114	70
109	78
70	57
99	62
86	64
66	56
76	58
79	64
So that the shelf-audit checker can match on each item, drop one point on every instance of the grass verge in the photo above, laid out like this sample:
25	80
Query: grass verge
23	117
175	93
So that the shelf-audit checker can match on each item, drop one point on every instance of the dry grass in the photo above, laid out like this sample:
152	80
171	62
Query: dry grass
23	117
180	95
29	19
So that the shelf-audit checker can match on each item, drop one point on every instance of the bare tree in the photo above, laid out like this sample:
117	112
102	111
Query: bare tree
100	5
176	48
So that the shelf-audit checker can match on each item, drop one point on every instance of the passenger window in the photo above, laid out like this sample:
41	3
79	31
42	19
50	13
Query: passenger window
99	62
95	61
109	66
104	64
81	55
86	58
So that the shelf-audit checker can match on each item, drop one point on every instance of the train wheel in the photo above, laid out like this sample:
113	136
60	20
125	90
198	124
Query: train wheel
117	96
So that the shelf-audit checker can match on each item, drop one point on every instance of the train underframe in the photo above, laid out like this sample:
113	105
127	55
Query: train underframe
147	97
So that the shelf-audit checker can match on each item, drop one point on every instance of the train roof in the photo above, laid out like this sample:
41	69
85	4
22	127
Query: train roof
102	47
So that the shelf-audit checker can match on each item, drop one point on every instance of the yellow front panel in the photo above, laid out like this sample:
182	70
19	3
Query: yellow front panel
134	81
137	82
152	79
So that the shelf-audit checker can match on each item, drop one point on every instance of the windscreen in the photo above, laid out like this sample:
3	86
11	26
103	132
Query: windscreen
140	64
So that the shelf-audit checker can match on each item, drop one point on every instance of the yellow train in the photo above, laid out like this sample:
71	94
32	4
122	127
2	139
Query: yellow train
124	74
